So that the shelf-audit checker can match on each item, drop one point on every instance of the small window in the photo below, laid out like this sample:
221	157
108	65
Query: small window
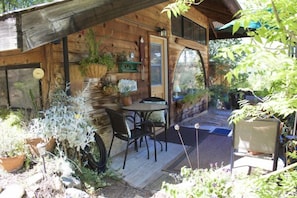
186	28
18	87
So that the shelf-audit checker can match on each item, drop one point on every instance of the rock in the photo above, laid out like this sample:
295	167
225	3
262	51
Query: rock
34	179
57	183
75	193
13	191
71	182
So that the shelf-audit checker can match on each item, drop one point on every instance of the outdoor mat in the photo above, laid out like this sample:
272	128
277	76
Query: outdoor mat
214	151
188	135
221	131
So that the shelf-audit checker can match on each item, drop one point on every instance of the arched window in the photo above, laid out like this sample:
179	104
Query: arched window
189	75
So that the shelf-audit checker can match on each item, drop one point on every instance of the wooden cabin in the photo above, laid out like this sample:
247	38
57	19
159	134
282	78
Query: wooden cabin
52	37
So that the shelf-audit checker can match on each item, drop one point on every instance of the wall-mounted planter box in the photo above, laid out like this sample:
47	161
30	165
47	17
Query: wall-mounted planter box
128	67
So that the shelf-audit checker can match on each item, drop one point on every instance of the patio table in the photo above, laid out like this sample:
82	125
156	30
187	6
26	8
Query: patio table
144	110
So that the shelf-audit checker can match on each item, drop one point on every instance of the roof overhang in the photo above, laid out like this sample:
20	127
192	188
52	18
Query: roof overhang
32	27
219	13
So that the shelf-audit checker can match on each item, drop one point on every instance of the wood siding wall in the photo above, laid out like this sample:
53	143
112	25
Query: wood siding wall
121	34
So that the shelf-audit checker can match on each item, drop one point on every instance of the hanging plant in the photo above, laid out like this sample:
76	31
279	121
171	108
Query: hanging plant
97	63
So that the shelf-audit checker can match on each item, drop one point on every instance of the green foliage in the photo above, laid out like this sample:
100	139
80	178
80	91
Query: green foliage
179	7
268	62
278	185
219	92
211	182
193	98
216	46
13	134
216	182
67	120
93	180
94	56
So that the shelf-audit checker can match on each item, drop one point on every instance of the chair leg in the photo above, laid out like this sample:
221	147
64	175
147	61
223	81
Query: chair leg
147	148
232	161
126	153
155	147
110	145
275	160
165	137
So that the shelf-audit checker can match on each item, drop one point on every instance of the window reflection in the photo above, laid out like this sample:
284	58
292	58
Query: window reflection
189	74
18	87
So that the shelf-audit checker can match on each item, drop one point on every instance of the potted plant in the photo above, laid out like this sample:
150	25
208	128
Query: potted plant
67	120
125	87
12	141
192	98
109	88
96	64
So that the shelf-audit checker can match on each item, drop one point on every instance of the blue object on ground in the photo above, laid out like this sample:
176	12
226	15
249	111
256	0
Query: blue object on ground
221	131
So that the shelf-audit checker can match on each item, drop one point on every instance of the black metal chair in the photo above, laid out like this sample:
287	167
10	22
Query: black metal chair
260	135
157	119
121	130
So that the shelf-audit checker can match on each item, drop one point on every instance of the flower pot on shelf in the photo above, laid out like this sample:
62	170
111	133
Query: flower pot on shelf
126	100
12	164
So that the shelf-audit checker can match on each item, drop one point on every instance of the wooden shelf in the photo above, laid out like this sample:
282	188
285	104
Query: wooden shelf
128	67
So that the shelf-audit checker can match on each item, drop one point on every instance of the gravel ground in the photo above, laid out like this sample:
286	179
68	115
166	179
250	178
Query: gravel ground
117	188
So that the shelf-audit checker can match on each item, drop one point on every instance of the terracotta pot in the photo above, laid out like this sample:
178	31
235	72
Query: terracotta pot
50	146
126	100
12	164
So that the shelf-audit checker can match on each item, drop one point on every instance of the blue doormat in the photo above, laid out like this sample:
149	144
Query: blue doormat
221	131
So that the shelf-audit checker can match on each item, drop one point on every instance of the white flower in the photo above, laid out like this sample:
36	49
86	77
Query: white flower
126	86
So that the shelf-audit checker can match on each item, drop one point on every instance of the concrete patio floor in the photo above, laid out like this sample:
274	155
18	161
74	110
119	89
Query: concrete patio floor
144	173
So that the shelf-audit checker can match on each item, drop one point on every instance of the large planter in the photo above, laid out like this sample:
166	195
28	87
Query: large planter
12	164
95	70
50	146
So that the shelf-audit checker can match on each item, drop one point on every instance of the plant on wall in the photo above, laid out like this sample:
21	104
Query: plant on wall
97	63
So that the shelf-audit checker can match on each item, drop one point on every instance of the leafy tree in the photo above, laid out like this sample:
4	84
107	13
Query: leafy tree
180	6
268	59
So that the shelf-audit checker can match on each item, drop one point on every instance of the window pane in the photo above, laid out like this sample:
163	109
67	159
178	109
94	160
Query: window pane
176	26
156	64
189	73
196	33
22	86
188	29
202	35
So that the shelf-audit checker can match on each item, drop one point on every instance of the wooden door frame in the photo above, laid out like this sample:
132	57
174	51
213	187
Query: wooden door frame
165	59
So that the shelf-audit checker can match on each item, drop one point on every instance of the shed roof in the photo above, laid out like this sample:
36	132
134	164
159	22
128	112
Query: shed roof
32	27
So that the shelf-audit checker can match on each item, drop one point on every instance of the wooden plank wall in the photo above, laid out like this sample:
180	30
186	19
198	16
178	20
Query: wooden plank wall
121	34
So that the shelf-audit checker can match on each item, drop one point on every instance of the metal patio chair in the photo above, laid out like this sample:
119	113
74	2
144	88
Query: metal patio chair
259	136
121	130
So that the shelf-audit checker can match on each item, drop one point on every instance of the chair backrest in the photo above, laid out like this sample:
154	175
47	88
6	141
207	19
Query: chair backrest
260	135
154	99
157	116
118	122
